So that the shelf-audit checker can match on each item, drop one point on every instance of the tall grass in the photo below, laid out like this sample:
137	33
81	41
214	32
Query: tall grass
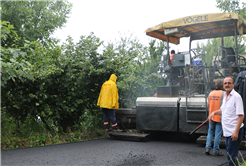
239	164
33	133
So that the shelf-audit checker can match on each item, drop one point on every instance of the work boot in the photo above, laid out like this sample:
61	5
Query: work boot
107	130
218	154
207	151
117	130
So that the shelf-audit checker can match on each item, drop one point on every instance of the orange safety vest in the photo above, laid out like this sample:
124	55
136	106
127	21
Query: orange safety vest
171	58
214	101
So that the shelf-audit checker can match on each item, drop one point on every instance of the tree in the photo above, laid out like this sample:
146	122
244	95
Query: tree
141	80
13	63
34	20
127	54
232	6
25	63
211	47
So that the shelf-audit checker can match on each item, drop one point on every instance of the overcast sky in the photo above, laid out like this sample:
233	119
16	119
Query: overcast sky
108	18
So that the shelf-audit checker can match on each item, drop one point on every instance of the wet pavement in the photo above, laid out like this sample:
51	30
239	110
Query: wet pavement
115	152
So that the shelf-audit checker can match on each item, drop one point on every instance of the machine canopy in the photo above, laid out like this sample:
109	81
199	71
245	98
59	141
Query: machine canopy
200	26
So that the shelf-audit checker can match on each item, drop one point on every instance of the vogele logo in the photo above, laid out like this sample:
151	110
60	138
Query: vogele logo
195	19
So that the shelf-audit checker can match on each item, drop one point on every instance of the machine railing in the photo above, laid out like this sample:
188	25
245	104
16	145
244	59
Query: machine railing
196	77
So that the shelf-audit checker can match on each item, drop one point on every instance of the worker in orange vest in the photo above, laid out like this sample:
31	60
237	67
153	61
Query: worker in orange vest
171	56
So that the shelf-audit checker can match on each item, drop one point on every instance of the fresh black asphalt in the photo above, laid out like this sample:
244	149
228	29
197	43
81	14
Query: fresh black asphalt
114	152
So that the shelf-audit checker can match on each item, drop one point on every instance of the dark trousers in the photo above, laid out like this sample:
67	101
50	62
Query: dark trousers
232	148
111	114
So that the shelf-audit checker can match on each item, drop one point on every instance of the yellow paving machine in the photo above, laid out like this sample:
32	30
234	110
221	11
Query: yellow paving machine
181	104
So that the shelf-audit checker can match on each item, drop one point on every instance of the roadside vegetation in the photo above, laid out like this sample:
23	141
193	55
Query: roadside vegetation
49	90
240	160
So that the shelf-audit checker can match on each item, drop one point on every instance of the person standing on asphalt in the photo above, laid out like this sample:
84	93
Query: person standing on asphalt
232	112
108	101
215	127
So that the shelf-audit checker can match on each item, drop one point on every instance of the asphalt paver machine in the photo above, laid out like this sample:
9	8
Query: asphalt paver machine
181	104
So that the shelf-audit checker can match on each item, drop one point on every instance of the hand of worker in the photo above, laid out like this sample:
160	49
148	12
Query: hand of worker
234	136
210	117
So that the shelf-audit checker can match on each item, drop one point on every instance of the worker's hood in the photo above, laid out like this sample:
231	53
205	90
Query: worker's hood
113	78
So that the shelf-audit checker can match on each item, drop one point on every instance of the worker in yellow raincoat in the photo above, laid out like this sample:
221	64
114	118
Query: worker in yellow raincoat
108	101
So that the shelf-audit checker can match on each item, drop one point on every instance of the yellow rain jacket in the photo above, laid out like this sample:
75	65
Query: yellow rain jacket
108	97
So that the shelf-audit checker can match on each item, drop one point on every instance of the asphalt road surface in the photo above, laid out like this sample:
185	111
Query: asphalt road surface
115	152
